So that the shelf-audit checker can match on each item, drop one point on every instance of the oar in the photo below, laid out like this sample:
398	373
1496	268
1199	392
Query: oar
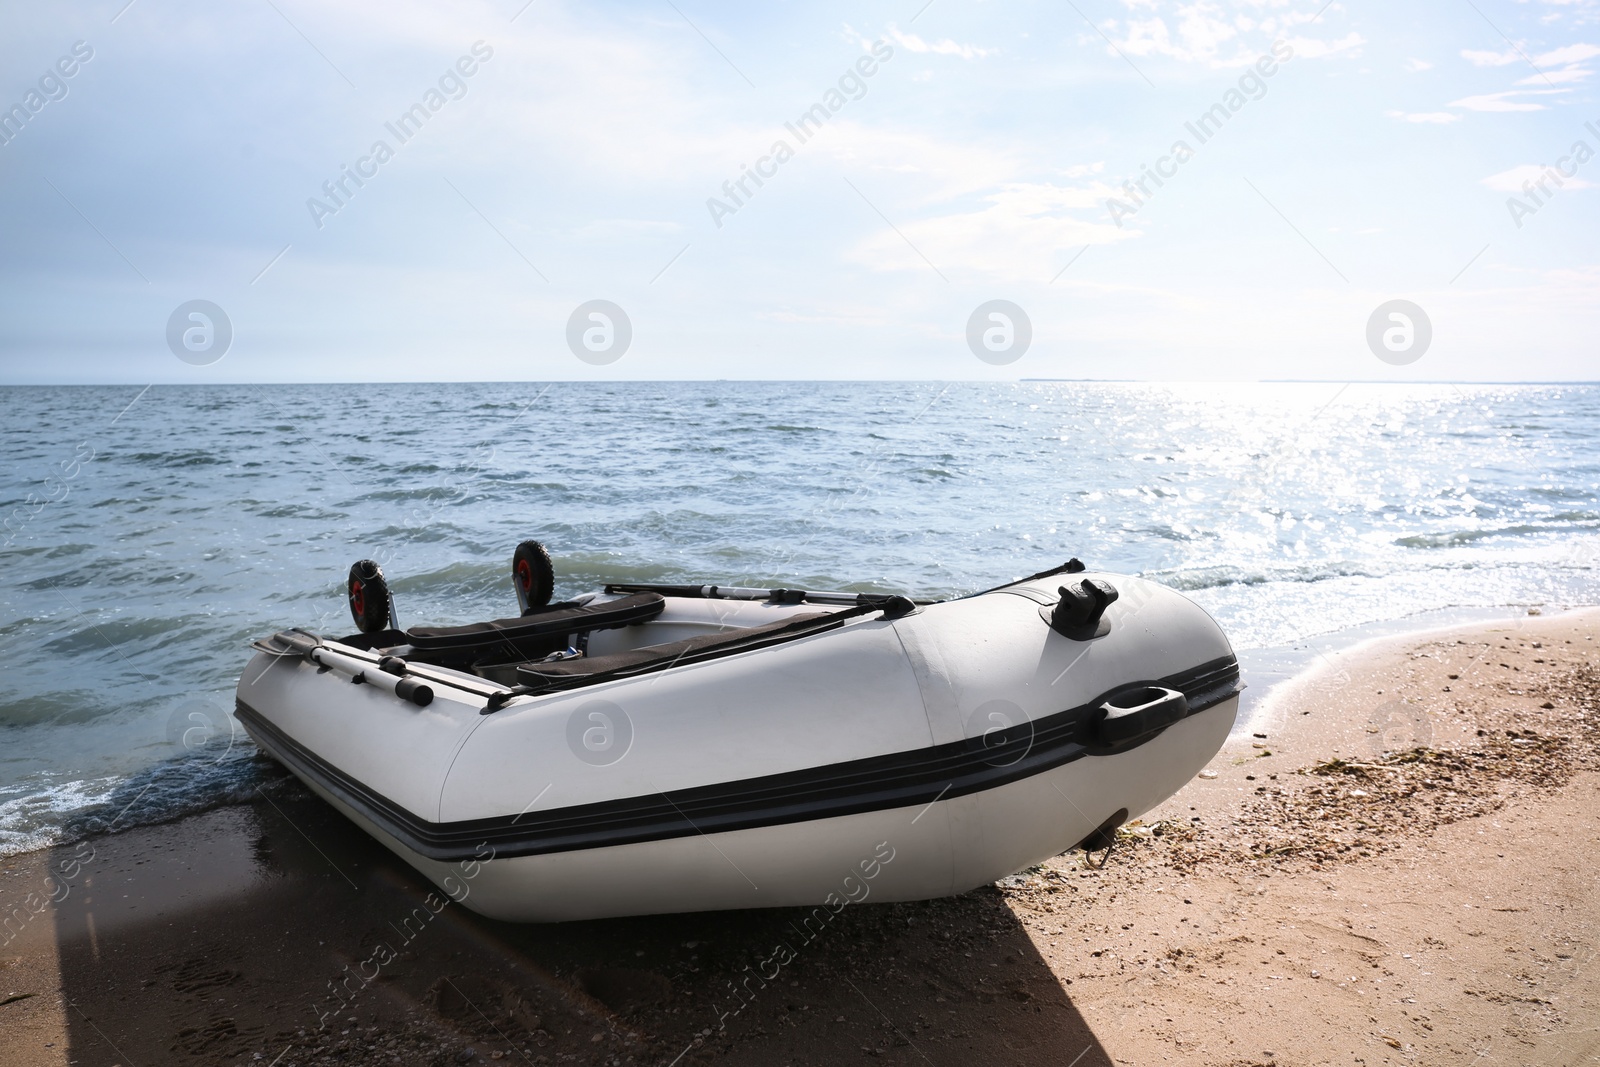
736	592
388	674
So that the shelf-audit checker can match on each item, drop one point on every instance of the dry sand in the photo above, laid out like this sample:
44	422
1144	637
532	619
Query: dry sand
1400	871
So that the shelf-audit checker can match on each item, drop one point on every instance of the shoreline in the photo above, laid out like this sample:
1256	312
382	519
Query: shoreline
1319	898
1268	669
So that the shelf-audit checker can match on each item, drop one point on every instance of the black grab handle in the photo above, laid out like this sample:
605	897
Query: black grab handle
1136	712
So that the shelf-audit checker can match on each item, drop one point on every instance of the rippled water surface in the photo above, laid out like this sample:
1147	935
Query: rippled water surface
151	536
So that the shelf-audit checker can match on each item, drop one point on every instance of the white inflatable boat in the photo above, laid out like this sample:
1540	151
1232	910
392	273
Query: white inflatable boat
652	749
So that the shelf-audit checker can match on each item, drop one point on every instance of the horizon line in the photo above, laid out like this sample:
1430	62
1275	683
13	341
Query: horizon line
817	381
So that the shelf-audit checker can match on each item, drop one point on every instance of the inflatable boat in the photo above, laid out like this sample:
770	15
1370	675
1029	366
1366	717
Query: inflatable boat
651	749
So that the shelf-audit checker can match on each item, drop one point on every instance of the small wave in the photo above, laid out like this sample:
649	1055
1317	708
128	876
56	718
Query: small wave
60	707
144	635
595	568
34	819
425	532
451	578
430	497
1189	581
189	457
63	812
1467	537
1172	533
302	511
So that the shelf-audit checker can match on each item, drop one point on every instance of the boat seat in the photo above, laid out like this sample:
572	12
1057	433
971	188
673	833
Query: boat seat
527	637
572	673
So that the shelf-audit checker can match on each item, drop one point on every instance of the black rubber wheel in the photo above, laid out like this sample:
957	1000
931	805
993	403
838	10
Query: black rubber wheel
368	594
533	575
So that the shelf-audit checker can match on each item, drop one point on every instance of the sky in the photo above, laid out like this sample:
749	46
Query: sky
957	154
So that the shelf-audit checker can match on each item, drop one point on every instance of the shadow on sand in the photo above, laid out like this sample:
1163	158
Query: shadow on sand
277	933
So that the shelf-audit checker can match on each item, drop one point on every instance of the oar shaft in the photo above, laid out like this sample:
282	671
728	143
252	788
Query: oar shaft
738	592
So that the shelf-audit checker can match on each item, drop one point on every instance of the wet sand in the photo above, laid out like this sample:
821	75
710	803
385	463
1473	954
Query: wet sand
1400	871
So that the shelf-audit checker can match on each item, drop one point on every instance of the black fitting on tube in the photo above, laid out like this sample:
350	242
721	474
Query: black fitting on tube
500	699
897	607
1081	606
414	691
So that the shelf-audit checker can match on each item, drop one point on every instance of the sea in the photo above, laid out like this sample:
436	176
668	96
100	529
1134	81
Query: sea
149	534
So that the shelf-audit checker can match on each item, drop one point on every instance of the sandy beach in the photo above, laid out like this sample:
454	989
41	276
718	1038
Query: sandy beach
1393	864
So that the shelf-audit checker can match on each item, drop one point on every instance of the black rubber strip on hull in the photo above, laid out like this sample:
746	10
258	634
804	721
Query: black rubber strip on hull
875	783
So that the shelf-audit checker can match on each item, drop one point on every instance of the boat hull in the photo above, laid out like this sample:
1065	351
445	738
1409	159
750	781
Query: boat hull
916	852
893	758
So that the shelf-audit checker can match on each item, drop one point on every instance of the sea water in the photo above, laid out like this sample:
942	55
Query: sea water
149	535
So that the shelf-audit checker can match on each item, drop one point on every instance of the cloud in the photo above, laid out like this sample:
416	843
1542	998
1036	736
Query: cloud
1490	59
1083	170
1511	181
1557	57
1418	65
1554	77
1202	32
1312	48
1019	236
1198	37
1572	53
1436	117
1506	101
926	169
1556	67
912	43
